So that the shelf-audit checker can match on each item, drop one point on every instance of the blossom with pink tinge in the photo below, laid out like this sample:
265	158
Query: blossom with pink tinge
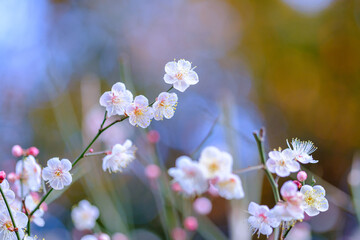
302	151
17	151
139	112
260	220
117	100
120	157
202	206
191	223
180	74
165	106
293	206
152	171
230	187
30	172
282	163
190	176
57	173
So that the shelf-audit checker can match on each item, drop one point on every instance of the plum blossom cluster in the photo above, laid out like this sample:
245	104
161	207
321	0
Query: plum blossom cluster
23	193
120	101
298	197
20	195
212	171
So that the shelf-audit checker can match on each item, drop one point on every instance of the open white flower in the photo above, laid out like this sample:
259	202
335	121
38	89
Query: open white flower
7	228
30	172
84	215
9	194
117	100
139	112
180	74
282	163
190	176
120	157
302	150
314	200
37	217
165	105
261	220
230	187
89	237
57	173
292	207
215	162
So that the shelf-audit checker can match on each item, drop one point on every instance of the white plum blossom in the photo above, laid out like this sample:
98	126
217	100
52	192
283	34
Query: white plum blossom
302	151
164	105
314	200
230	187
37	217
215	162
117	100
120	157
190	176
30	173
9	194
261	220
139	112
57	173
7	228
292	207
282	163
84	215
180	74
98	236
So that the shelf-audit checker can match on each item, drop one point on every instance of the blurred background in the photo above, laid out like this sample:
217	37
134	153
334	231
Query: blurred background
291	66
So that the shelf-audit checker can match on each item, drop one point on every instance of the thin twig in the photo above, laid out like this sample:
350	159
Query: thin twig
249	169
10	213
206	137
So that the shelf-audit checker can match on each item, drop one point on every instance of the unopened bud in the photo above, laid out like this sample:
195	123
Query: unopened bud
191	223
153	136
2	176
12	177
17	151
298	184
301	176
33	151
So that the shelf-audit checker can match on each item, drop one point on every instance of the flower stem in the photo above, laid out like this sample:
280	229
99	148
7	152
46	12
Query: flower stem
249	169
10	213
260	143
82	155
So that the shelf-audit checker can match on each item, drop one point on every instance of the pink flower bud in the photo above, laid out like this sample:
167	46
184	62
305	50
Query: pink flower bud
153	136
152	171
12	177
178	234
2	176
301	176
91	150
119	236
176	187
202	206
33	151
298	184
191	223
17	151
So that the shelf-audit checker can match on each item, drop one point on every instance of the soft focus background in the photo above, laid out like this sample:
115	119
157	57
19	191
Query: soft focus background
292	66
